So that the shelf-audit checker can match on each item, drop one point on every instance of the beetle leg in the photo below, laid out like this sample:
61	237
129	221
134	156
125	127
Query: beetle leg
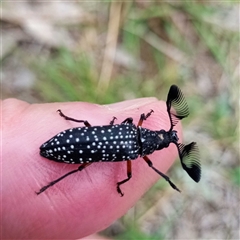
160	173
128	120
86	123
144	117
80	168
129	175
112	121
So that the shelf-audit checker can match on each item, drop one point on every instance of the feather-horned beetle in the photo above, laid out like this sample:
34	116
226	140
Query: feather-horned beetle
123	142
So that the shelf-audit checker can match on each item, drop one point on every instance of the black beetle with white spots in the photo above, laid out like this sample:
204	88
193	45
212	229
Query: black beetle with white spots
123	142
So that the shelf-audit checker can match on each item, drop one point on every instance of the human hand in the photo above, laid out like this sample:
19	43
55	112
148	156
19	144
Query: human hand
85	202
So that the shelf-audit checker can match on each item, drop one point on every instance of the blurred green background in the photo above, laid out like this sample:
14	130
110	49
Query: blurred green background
105	52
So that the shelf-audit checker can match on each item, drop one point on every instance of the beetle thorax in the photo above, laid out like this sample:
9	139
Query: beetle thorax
151	141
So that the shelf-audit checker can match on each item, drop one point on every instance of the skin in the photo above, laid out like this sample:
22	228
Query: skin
85	202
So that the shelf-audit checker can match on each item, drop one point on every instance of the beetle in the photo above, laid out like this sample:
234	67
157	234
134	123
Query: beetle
123	142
